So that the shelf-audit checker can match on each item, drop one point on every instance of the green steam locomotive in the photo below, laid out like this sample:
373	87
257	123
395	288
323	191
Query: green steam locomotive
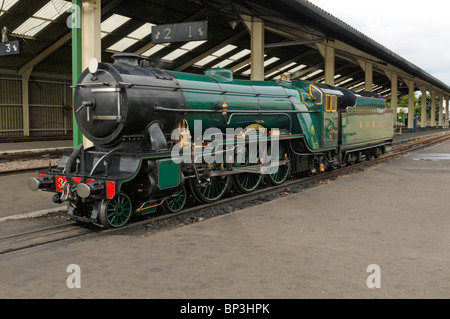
161	136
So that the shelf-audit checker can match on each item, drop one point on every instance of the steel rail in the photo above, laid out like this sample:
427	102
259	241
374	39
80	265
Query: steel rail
296	182
71	230
41	236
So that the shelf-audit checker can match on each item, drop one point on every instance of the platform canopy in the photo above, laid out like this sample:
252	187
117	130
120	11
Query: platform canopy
297	36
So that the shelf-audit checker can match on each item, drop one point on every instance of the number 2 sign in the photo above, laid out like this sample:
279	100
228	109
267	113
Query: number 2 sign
180	32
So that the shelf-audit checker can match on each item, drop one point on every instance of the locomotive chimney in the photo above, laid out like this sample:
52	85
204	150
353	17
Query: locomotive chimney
127	58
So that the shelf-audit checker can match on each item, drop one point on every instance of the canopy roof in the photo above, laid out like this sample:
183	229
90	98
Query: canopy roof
293	28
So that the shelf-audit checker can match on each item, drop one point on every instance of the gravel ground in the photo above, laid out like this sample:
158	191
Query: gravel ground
34	163
207	213
203	214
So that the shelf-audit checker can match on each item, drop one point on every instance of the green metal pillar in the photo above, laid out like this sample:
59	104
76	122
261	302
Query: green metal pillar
76	63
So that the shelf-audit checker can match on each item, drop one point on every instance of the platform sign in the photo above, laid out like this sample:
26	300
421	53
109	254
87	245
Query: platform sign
180	32
7	48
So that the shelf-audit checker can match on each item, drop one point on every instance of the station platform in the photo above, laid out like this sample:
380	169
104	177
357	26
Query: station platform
6	148
14	188
19	147
60	144
318	243
408	136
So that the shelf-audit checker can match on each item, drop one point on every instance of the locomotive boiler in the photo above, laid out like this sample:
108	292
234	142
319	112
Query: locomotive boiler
130	112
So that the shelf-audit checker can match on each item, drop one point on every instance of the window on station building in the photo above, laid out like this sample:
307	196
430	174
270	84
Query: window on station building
113	22
266	63
122	44
344	81
292	71
279	70
216	55
310	75
242	67
131	38
7	4
232	59
154	49
186	48
270	61
356	85
41	18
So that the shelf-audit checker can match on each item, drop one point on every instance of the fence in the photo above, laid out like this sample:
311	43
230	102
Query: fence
50	107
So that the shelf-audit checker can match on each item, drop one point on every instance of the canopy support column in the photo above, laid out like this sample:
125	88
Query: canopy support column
255	26
91	18
433	108
423	113
26	101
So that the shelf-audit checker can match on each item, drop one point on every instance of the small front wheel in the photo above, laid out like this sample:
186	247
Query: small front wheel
176	202
116	212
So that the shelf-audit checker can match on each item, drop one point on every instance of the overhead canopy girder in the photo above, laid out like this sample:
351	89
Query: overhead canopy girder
292	28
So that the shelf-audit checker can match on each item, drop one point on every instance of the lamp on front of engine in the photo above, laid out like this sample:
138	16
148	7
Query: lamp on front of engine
85	190
41	182
5	35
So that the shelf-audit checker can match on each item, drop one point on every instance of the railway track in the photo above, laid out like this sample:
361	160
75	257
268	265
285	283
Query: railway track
41	236
19	139
22	171
52	234
6	159
13	156
297	182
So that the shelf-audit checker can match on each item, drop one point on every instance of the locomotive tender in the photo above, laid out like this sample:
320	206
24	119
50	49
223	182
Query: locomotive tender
130	110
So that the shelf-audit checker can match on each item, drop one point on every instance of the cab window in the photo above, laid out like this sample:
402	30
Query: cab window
316	94
331	103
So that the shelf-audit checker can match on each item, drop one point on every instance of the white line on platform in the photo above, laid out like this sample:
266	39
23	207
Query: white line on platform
34	214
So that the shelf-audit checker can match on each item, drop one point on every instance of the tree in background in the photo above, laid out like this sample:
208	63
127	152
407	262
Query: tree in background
403	103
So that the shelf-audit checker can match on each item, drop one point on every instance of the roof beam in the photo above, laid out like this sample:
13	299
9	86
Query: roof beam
112	5
240	65
307	71
44	54
210	51
289	61
292	43
55	46
346	52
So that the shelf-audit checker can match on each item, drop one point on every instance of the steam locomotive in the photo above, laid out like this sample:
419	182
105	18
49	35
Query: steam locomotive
140	119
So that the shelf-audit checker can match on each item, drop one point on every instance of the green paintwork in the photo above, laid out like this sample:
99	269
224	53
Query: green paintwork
330	129
360	126
310	123
370	102
206	93
118	210
76	72
298	117
168	174
149	207
176	203
320	128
